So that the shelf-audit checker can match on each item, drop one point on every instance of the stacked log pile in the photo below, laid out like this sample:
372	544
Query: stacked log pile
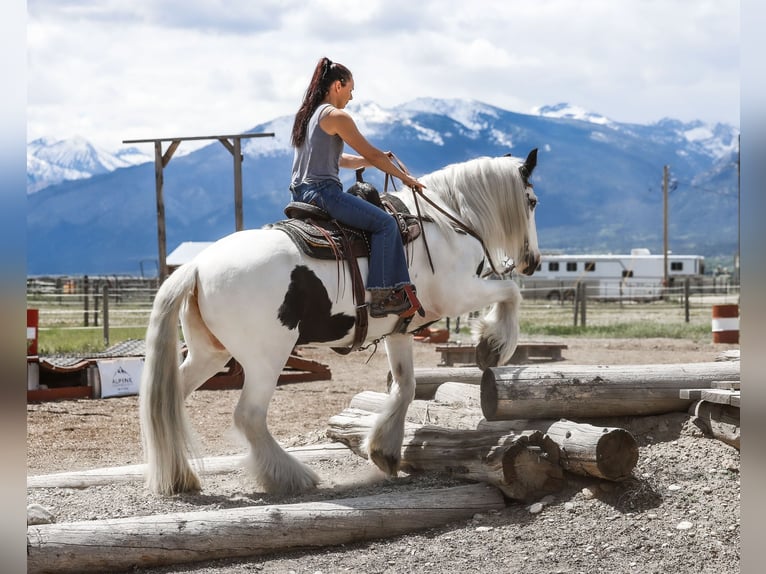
510	426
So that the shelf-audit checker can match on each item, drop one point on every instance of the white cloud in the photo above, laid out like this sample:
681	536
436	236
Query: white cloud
110	70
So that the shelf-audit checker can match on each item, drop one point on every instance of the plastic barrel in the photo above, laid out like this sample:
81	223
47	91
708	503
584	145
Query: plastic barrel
725	323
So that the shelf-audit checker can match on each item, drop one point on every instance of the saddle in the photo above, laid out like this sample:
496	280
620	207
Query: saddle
318	235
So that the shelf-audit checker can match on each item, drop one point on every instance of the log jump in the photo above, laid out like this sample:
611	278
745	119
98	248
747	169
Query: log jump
580	391
524	466
602	452
122	544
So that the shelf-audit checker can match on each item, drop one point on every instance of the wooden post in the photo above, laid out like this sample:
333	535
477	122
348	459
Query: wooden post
96	297
665	177
106	313
576	303
162	250
148	541
579	303
235	149
686	299
238	215
583	391
85	297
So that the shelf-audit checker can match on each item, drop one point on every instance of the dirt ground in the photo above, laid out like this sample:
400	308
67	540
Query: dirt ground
680	512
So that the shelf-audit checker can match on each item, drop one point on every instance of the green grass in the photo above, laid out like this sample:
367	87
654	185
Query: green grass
61	341
636	330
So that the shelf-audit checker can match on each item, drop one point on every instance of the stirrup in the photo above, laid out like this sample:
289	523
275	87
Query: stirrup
415	306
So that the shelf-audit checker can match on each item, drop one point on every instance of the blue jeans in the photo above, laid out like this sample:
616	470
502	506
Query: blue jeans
388	264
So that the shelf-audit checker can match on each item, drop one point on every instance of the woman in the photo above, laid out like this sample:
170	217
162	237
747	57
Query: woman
320	129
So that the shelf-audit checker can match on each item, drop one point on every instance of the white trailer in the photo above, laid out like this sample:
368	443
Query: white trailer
638	275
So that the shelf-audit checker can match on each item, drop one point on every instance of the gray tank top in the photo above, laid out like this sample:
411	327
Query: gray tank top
319	156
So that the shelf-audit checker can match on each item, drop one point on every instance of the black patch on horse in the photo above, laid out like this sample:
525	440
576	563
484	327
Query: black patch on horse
307	306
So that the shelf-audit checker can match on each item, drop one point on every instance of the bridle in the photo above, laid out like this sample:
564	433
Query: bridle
459	224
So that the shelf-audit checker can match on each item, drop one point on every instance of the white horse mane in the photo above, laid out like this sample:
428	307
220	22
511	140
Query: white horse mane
487	194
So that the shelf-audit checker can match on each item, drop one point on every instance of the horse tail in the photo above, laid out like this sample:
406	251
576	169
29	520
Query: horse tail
165	428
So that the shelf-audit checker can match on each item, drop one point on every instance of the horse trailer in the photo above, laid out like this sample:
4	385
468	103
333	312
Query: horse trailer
636	276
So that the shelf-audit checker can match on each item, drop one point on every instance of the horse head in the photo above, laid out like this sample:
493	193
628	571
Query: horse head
528	259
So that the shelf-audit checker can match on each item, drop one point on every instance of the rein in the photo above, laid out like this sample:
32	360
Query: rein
459	224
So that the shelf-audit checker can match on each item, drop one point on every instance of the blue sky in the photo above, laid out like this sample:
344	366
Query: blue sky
109	70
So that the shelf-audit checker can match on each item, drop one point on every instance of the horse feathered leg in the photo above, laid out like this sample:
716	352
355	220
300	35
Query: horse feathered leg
272	467
383	443
498	330
165	429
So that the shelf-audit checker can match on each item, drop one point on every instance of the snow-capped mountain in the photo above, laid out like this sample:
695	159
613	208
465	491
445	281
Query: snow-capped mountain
599	183
52	161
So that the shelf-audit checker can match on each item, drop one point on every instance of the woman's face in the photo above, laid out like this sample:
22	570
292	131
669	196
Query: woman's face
345	94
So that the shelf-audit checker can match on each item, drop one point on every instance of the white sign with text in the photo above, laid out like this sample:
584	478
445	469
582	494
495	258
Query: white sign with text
120	377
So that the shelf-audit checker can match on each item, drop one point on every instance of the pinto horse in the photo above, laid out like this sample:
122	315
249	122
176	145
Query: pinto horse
253	295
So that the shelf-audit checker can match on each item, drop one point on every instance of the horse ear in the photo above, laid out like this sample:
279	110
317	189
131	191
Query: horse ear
531	162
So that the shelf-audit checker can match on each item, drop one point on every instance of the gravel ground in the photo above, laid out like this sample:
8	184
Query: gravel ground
679	512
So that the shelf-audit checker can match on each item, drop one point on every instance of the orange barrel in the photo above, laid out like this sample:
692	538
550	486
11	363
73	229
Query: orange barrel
725	323
33	317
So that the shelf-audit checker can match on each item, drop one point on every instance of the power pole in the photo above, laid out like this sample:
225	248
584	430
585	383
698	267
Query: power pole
736	263
665	176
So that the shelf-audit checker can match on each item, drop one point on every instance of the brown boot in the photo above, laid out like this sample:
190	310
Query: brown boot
401	301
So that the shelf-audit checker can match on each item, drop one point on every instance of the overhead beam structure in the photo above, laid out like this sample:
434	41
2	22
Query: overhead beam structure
233	143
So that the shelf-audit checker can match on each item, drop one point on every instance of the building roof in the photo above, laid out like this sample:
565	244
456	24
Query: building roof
185	252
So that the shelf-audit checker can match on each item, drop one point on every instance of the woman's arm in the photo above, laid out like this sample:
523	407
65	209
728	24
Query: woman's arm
340	123
350	161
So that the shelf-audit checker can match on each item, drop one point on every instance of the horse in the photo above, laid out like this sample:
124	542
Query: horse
253	295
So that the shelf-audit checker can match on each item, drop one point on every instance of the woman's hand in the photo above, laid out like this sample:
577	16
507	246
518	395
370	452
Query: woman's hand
406	178
410	181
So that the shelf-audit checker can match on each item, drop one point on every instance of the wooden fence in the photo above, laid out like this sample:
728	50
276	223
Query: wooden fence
99	302
102	302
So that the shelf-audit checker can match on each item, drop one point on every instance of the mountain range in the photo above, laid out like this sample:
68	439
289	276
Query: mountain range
599	183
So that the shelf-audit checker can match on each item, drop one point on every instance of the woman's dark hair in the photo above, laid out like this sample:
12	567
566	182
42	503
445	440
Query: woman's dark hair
325	73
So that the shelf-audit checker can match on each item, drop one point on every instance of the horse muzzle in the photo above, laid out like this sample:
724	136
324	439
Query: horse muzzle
529	263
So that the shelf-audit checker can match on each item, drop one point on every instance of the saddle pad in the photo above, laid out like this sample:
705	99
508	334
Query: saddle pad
311	236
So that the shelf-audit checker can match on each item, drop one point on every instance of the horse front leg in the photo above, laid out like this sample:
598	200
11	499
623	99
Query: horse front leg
498	331
383	444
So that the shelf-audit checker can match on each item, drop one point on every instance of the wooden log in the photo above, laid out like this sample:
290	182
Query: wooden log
208	465
428	380
523	466
602	452
148	541
720	396
609	453
579	391
465	394
717	420
423	412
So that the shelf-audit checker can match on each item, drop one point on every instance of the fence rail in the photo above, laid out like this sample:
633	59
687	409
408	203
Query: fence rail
108	302
91	302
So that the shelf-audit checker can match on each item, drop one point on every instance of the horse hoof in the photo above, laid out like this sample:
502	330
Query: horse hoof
389	464
486	356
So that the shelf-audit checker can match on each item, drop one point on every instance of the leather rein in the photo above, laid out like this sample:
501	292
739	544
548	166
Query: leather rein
459	224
